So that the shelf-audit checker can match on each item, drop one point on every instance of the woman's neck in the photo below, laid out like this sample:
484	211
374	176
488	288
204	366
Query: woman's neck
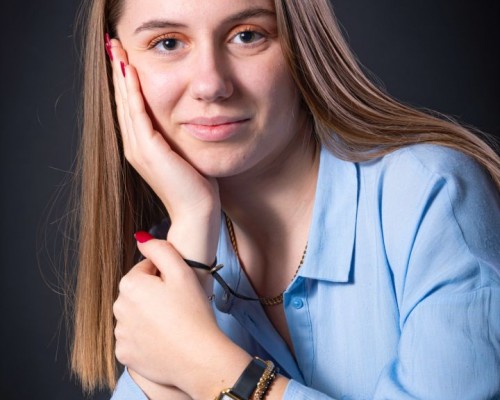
271	209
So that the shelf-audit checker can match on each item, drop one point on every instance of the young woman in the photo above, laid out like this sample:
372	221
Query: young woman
357	240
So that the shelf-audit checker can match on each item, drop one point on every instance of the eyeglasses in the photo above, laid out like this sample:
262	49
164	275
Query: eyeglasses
213	270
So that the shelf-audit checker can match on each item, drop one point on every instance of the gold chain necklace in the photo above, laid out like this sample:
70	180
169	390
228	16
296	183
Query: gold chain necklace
266	301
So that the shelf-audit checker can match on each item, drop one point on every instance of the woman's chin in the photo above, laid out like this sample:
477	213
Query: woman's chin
211	170
214	166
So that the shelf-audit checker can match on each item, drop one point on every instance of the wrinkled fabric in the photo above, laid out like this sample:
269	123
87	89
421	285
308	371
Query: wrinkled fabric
399	293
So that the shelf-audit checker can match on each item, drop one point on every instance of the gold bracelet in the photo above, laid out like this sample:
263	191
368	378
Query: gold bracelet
265	381
247	383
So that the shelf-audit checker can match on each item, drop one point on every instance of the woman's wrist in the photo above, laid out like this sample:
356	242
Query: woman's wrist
219	371
195	237
225	371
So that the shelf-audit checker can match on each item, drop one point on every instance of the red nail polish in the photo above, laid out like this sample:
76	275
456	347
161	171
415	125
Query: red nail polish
142	236
107	41
110	54
122	64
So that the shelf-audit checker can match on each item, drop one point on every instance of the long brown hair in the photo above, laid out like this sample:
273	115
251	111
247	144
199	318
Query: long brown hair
351	116
112	201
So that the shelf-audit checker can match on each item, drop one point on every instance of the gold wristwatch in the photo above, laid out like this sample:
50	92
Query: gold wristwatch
246	383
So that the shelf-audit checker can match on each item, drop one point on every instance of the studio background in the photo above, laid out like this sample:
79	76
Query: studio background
439	54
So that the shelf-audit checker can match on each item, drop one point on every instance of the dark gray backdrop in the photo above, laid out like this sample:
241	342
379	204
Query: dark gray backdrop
441	54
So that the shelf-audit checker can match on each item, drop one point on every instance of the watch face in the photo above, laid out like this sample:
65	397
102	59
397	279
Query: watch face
227	395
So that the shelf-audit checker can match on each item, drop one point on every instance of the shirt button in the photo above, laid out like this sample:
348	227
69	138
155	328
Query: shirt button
297	303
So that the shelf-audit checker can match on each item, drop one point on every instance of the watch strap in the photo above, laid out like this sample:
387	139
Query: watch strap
247	382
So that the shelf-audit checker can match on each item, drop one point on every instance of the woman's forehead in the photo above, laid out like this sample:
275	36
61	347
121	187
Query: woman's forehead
191	12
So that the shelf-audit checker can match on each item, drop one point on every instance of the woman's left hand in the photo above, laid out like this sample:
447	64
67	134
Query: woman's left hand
166	330
191	199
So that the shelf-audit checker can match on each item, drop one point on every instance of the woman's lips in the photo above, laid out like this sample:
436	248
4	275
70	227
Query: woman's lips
214	129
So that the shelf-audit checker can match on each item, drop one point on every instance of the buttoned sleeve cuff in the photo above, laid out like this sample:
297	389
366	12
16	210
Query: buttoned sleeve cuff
127	389
297	391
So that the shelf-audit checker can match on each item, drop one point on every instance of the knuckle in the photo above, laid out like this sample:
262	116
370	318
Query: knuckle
116	309
126	284
117	332
121	354
122	285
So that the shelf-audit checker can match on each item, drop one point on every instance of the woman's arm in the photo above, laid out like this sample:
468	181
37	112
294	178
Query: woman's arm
192	200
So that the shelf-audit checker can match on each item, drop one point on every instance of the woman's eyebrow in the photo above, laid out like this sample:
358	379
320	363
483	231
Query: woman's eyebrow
250	13
163	23
157	24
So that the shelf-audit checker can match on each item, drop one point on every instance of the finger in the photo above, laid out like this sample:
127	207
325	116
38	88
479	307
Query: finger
143	273
149	145
141	122
144	267
163	255
120	112
119	59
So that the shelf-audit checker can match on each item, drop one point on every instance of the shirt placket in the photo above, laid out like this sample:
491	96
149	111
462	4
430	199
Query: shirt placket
299	322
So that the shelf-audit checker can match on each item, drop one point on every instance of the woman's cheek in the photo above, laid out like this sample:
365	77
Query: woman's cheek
161	89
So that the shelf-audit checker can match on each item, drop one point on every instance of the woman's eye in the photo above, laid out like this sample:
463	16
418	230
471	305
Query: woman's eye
247	37
168	44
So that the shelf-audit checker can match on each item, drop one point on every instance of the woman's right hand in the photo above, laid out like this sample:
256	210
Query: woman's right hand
191	199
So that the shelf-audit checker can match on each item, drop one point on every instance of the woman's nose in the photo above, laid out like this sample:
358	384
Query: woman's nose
211	79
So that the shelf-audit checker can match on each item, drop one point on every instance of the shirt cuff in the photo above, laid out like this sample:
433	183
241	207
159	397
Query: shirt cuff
296	391
127	389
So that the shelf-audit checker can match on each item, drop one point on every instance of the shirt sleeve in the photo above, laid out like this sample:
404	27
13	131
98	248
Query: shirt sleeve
127	389
442	232
297	391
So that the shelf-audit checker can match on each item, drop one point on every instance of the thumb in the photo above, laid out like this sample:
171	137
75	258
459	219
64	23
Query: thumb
145	267
160	253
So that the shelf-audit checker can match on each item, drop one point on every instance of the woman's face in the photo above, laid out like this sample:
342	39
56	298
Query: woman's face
215	81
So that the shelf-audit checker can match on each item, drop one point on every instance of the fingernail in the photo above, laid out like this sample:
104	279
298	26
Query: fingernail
142	236
122	64
110	54
108	46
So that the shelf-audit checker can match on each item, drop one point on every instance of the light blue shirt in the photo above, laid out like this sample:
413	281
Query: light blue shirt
399	293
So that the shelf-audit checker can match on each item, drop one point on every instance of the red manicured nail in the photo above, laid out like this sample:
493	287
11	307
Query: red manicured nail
122	64
108	46
110	54
142	236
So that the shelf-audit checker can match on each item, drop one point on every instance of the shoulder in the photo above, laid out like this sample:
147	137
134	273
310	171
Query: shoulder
429	173
437	159
425	193
424	161
421	170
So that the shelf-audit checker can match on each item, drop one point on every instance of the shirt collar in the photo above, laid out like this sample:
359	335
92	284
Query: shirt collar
331	239
330	246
